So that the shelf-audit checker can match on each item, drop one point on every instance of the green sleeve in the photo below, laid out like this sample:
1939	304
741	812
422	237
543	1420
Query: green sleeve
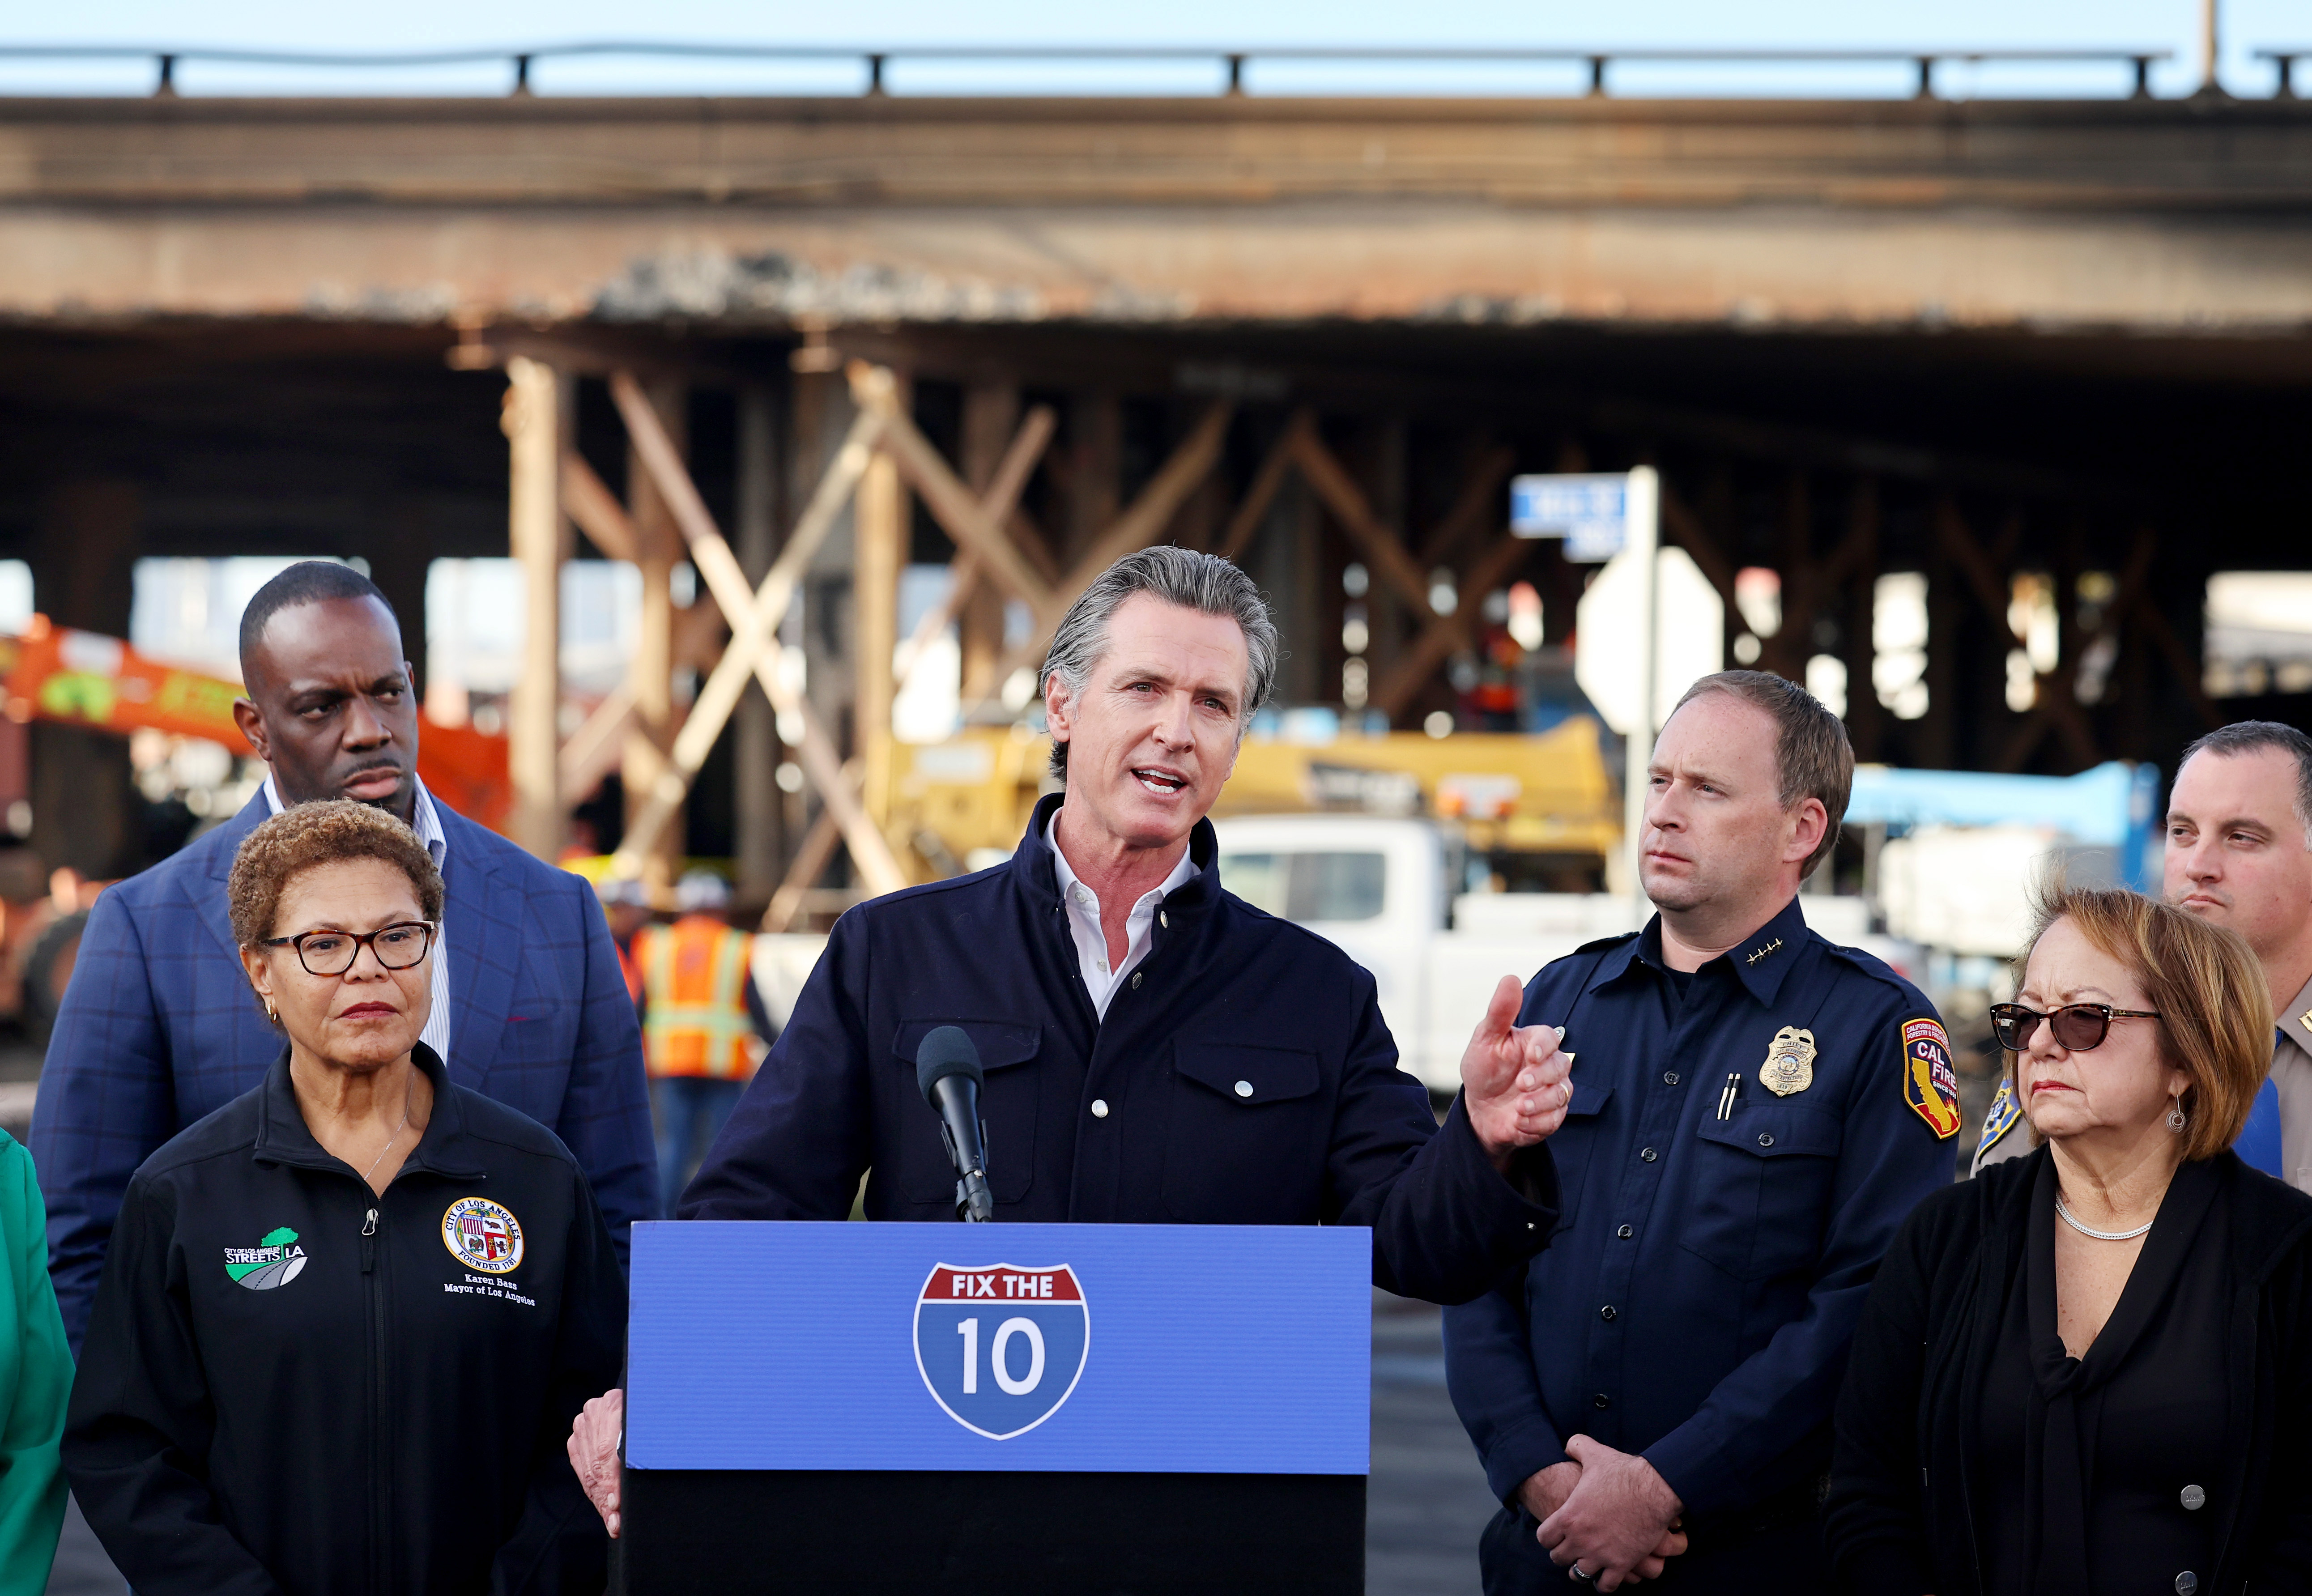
36	1376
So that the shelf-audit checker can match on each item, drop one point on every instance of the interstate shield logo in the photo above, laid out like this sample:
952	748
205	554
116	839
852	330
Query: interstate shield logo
276	1260
1001	1346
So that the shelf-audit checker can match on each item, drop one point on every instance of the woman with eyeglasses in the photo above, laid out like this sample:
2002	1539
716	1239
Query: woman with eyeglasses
346	1320
2090	1369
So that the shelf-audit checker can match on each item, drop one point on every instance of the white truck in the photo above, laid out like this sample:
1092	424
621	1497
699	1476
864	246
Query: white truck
1388	891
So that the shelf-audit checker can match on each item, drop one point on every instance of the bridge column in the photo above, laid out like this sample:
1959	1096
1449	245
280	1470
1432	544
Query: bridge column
83	805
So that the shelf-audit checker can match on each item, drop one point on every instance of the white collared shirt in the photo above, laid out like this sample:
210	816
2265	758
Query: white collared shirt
1084	922
437	1034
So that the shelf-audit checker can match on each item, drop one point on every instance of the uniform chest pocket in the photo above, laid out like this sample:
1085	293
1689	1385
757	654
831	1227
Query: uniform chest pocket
1008	1095
1761	1182
1573	1147
1245	1136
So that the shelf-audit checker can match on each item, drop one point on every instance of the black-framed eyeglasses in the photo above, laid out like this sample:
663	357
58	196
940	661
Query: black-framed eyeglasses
2077	1027
333	952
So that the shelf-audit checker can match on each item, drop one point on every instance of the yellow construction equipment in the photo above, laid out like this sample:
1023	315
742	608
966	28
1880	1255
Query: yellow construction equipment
1508	793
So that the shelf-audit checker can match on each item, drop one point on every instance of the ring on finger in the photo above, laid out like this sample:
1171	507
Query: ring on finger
1579	1576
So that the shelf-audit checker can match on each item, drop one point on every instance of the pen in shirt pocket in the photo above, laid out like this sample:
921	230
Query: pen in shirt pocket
1726	1098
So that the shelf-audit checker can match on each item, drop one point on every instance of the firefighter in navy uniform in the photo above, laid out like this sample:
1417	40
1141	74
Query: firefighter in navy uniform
346	1318
1755	1112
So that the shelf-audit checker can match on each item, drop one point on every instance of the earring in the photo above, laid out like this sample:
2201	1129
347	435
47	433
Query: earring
2175	1120
271	1013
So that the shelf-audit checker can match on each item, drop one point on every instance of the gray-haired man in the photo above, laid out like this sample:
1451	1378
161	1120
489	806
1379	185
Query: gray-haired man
1156	1049
2239	854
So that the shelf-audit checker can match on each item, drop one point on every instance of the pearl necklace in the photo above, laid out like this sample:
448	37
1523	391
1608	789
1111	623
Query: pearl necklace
2070	1219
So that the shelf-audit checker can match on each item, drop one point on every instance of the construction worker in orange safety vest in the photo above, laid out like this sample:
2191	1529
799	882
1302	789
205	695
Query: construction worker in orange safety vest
627	906
704	1026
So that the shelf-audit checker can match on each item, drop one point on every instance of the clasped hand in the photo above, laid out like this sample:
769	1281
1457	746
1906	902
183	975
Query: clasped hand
1606	1512
1513	1078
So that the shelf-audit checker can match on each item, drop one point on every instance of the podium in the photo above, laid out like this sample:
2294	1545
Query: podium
1022	1409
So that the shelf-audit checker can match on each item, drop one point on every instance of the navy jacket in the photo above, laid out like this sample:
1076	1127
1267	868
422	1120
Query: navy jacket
1242	1076
159	1028
1699	1298
293	1385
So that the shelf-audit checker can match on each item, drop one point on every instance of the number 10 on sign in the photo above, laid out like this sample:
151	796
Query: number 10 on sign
1001	1346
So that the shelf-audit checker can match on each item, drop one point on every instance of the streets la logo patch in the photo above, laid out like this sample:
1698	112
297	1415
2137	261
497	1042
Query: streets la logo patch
482	1235
276	1260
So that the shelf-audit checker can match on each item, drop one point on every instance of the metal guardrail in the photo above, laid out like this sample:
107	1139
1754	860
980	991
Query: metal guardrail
876	61
2284	62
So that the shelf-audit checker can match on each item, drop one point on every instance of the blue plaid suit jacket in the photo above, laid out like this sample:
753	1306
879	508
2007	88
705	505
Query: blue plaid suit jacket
159	1028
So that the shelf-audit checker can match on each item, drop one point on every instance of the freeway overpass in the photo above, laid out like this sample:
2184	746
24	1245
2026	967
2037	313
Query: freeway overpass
2062	341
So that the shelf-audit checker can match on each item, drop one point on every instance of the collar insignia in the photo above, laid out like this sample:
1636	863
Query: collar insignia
1758	953
1789	1061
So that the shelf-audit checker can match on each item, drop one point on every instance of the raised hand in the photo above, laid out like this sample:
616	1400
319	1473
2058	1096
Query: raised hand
1512	1078
593	1449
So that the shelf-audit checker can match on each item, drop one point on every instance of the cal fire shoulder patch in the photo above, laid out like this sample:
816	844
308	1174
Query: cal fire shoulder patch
1930	1086
483	1235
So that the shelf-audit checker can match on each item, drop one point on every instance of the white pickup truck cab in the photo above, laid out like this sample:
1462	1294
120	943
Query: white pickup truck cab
1388	891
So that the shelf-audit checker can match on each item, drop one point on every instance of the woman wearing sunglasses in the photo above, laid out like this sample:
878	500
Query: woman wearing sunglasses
346	1320
2090	1369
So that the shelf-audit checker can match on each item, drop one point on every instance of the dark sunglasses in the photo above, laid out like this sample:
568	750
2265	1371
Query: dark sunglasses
333	952
2077	1026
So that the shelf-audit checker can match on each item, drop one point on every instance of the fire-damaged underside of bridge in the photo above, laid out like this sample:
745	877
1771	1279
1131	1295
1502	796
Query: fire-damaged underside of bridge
2064	341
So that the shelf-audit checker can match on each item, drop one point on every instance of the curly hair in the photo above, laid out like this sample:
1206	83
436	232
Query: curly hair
308	835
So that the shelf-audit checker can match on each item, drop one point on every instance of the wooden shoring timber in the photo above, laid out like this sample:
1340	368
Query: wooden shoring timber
1865	718
810	862
754	614
1478	501
1445	633
1266	483
1686	530
2054	702
1141	524
951	504
1378	543
533	419
594	749
1001	498
596	509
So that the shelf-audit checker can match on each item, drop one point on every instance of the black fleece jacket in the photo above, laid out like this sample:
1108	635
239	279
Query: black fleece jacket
292	1386
1905	1494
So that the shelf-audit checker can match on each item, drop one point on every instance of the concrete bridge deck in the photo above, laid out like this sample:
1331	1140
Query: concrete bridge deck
2169	215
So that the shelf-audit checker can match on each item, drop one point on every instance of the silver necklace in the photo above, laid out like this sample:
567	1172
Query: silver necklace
411	1091
2073	1220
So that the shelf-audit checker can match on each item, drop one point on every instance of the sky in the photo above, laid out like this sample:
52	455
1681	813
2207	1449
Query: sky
426	25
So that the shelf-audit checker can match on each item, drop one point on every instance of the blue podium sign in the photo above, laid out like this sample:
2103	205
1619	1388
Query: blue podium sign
1235	1349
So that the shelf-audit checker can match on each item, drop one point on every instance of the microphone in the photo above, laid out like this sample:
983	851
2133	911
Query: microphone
947	1070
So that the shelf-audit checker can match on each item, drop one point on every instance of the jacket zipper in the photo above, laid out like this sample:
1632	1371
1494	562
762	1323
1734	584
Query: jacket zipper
374	1330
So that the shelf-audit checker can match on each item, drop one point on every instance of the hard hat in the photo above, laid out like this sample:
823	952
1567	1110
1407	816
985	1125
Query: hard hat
700	892
614	890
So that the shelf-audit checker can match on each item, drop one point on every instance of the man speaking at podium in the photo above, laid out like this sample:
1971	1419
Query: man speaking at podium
1155	1050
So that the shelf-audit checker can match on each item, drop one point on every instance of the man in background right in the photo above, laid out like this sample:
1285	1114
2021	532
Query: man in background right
2239	854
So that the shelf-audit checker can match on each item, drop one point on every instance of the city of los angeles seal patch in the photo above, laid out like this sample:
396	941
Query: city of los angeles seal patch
483	1235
